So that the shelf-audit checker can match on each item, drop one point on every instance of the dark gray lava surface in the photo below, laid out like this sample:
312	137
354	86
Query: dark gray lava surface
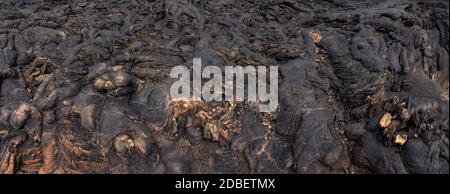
363	86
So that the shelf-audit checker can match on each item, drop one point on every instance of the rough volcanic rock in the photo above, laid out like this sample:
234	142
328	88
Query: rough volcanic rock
363	86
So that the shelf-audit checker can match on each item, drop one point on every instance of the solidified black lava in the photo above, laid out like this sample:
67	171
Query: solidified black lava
363	86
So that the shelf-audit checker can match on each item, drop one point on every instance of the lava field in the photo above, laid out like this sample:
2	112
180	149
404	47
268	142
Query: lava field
363	87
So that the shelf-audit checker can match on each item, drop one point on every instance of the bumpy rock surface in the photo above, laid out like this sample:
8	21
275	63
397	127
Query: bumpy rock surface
363	86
